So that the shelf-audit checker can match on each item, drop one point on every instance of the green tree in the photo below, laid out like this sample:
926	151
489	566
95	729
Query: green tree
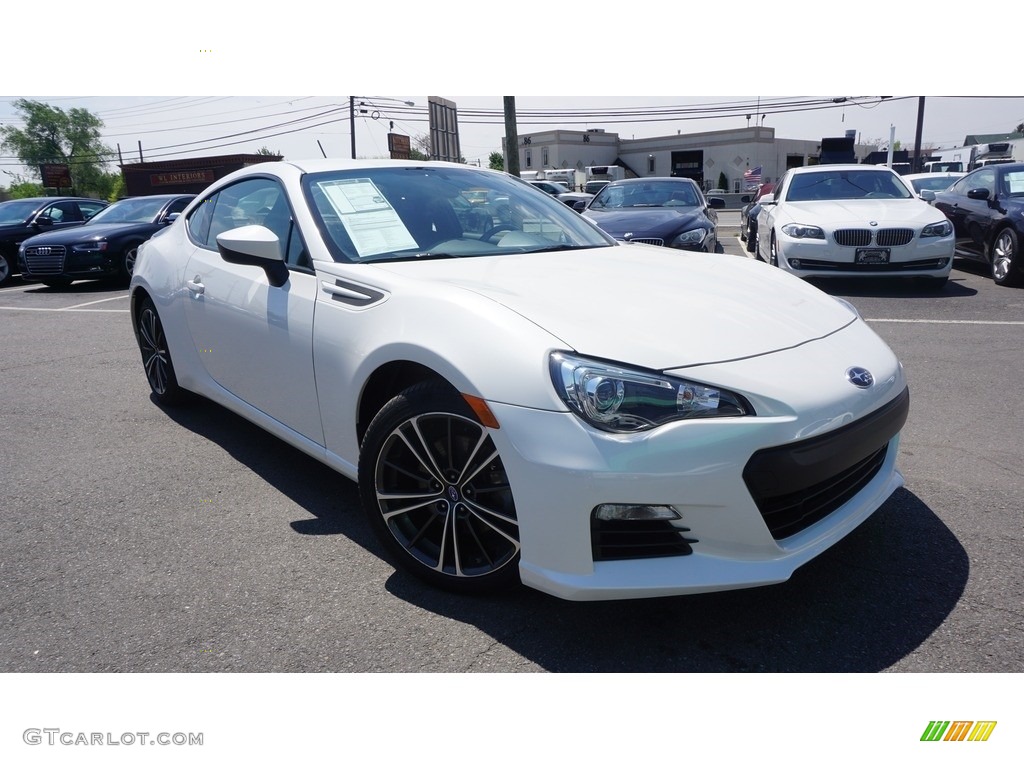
22	189
723	181
496	161
264	150
53	135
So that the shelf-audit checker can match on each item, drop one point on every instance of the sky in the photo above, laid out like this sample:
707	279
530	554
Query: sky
176	126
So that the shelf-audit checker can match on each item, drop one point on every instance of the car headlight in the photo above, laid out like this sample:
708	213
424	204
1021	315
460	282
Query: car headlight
628	400
804	231
938	229
691	237
95	246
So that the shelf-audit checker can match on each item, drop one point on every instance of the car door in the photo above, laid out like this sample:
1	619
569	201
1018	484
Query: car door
971	218
255	339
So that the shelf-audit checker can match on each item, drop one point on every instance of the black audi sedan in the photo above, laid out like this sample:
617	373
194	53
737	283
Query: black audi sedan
986	208
665	211
30	216
105	247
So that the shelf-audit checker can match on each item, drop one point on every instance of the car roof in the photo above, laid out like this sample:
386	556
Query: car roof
864	167
51	199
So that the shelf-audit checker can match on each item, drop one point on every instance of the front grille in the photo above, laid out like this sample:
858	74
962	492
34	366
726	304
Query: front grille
852	237
44	259
646	240
634	539
885	238
796	485
894	237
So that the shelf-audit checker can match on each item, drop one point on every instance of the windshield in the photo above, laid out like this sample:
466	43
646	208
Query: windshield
15	212
648	194
846	185
131	210
389	214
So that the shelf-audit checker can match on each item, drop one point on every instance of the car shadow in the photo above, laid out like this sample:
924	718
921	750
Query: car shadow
84	287
861	606
906	288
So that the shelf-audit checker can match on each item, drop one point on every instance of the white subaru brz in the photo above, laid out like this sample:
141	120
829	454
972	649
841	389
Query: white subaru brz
853	221
520	397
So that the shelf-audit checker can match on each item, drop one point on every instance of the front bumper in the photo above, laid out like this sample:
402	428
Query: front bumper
561	470
58	262
804	257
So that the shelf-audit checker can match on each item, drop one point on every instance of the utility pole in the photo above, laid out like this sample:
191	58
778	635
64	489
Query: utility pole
352	122
917	139
511	147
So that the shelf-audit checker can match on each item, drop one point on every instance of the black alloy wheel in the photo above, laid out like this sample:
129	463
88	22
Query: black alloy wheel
5	269
436	493
156	357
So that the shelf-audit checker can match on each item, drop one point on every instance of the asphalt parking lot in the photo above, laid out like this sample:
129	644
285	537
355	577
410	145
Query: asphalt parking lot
142	540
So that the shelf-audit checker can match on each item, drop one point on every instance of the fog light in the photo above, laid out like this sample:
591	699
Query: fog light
635	512
794	263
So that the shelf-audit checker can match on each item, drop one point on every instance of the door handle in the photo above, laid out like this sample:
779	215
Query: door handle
195	286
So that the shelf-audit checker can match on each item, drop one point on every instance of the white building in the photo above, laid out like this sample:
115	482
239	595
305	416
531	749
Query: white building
700	156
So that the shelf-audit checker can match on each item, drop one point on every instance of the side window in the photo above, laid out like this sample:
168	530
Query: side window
90	209
178	205
198	222
64	211
777	190
961	187
258	201
986	178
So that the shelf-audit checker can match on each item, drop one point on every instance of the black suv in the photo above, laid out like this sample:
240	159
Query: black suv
21	219
105	247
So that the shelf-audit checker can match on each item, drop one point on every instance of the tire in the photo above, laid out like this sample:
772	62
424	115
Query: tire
5	269
1006	266
752	238
127	266
436	494
156	357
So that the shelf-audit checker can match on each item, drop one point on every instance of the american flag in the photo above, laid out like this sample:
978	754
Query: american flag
752	177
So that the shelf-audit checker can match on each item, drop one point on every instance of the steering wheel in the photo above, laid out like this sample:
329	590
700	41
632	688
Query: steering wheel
491	232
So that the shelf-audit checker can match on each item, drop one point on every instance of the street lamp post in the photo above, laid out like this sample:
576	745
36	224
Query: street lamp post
352	114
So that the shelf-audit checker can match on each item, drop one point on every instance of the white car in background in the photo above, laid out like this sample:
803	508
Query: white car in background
934	182
853	221
519	396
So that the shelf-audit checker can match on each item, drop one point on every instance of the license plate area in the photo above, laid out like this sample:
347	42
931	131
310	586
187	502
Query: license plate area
871	256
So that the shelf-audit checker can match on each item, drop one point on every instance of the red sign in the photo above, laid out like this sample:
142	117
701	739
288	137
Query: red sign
399	146
55	175
181	177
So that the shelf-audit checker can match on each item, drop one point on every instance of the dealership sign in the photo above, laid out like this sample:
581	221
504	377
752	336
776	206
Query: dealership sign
181	177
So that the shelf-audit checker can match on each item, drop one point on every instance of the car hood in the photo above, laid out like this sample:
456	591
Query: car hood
888	213
648	306
92	232
645	221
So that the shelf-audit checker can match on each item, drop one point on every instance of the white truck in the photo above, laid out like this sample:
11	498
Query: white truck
568	176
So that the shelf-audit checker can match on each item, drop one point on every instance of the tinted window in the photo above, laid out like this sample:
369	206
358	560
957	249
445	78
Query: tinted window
89	208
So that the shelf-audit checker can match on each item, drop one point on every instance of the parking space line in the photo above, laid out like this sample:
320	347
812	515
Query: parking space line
98	301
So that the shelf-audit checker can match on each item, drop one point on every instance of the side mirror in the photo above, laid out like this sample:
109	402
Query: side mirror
928	195
43	221
978	194
256	246
716	202
768	199
579	205
169	218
